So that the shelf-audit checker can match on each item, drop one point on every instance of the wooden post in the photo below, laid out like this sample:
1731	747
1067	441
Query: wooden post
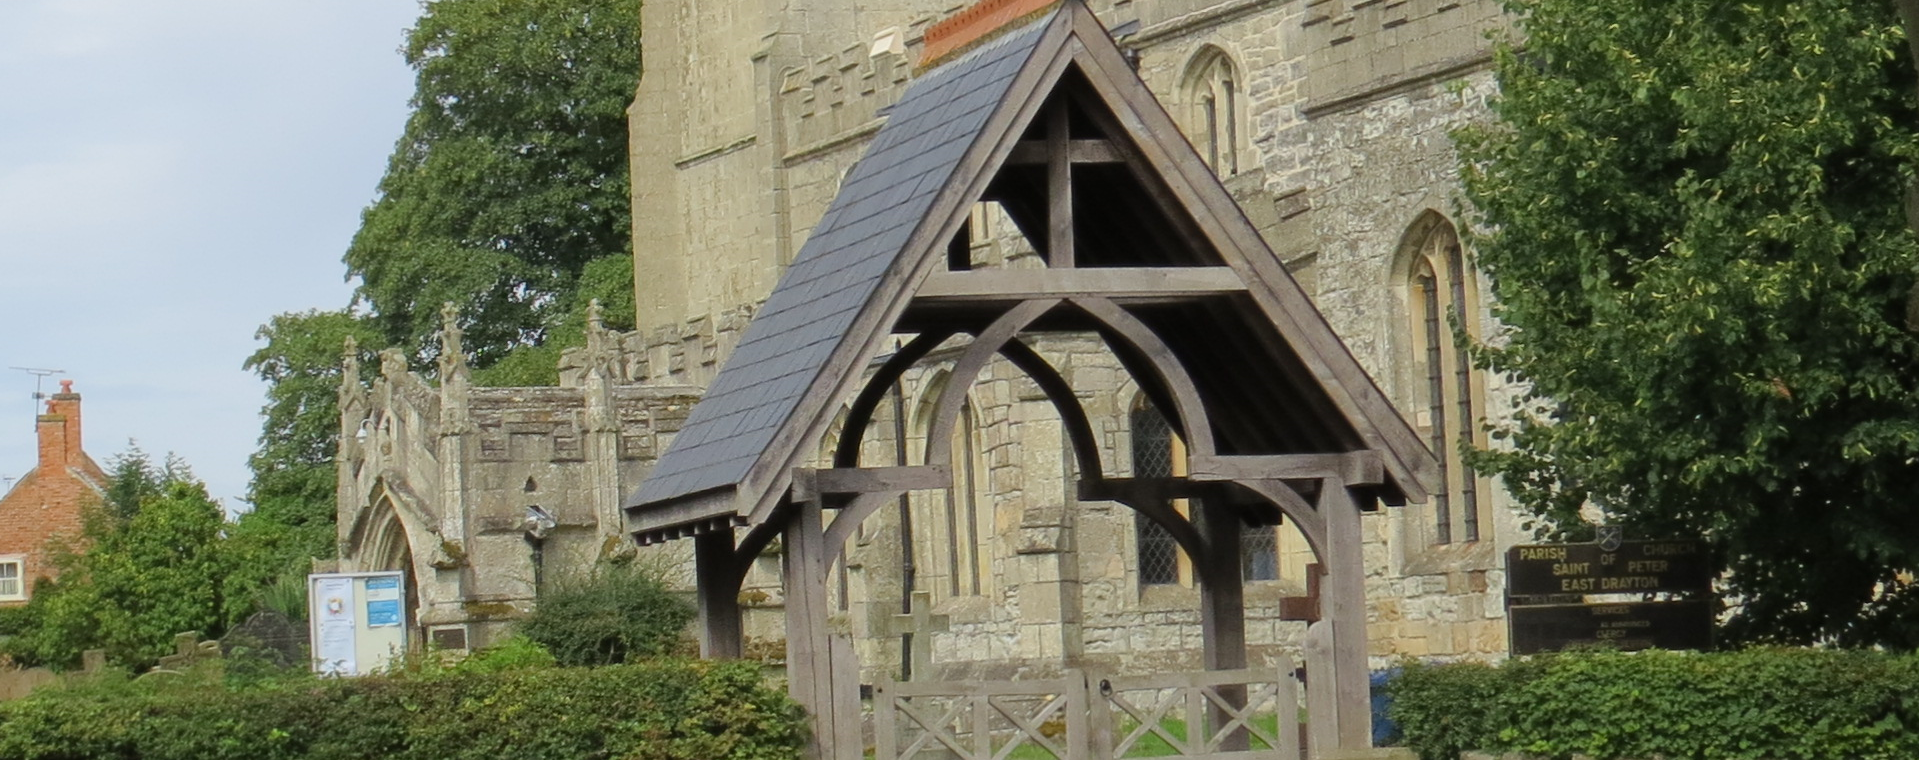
845	705
1059	189
1322	714
1345	598
1222	605
885	731
809	671
1222	597
717	574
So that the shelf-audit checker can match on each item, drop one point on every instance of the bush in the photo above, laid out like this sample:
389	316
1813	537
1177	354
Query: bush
670	710
618	613
1764	704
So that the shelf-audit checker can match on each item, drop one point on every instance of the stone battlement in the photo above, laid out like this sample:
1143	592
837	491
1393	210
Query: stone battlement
838	96
1361	48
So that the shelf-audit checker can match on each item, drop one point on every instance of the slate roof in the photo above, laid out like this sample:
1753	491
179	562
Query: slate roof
883	200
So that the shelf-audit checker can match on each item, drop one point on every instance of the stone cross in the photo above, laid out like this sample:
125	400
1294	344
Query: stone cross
921	624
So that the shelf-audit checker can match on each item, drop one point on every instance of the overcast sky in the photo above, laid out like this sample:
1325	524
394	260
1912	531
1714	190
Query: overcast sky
173	173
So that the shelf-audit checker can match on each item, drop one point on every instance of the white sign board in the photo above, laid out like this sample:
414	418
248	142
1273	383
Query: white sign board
357	620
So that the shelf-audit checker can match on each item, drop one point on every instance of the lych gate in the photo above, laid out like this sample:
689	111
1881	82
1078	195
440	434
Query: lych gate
1031	105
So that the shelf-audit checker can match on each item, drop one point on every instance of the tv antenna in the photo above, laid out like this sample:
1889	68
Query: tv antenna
40	374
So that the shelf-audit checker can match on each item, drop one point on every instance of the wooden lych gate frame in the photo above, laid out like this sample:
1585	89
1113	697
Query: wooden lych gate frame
1142	246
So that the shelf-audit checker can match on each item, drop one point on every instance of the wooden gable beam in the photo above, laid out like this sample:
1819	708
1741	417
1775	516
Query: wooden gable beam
1354	468
1059	187
1010	285
1036	152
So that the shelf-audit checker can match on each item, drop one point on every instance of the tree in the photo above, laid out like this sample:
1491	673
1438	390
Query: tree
141	577
511	176
1691	214
293	474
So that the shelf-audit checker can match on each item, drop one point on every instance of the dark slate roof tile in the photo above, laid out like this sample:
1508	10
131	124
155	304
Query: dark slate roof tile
886	195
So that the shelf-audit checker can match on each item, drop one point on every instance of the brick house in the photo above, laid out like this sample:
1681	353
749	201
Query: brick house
48	501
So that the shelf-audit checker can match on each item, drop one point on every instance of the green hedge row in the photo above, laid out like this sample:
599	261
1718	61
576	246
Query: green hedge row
667	710
1758	704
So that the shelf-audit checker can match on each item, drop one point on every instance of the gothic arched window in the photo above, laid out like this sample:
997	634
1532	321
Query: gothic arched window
1159	453
1213	95
1447	392
953	558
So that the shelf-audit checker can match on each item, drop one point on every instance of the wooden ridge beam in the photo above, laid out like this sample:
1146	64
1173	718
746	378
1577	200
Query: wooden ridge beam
1118	283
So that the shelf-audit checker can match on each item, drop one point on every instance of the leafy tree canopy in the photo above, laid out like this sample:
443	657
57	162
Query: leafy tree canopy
1691	214
138	574
511	175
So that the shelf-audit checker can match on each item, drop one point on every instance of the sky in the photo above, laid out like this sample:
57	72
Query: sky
172	174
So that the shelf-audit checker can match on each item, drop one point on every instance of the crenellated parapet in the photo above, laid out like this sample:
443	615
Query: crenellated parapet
686	354
838	96
1357	49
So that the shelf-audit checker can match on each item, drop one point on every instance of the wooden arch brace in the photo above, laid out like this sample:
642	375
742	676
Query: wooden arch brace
1197	428
860	414
939	435
1078	428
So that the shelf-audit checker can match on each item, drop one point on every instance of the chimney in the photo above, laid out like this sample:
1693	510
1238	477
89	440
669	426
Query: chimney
60	429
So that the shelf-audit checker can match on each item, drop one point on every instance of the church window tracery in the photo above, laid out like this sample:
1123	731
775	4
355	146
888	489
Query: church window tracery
1213	95
1447	392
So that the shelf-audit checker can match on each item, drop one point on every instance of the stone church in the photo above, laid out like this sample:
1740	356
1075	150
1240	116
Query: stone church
1328	122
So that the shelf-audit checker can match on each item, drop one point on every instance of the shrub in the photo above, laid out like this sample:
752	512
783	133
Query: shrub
617	613
668	709
1764	704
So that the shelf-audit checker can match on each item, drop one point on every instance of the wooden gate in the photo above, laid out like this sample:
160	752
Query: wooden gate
1221	715
980	721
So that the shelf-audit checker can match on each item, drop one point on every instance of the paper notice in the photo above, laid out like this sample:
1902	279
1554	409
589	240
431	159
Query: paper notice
333	603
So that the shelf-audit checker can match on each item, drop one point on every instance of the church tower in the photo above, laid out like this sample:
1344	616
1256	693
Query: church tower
745	119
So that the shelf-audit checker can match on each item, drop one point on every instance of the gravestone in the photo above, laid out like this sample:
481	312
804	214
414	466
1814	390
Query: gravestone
190	652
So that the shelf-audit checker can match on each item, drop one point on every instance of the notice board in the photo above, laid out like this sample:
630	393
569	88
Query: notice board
356	621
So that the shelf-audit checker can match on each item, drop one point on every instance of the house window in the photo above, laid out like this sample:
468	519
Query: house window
13	585
1159	453
1213	93
1446	390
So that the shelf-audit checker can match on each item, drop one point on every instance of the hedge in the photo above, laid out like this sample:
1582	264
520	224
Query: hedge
670	710
1760	704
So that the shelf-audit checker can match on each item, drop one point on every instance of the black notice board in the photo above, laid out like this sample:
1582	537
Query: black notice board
1626	626
1635	567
